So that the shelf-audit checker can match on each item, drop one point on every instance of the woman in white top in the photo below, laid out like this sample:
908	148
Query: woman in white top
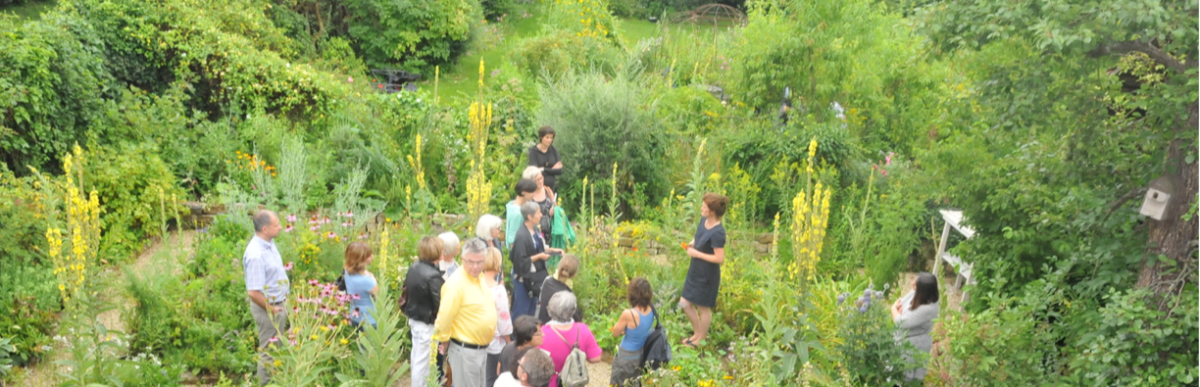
914	314
504	326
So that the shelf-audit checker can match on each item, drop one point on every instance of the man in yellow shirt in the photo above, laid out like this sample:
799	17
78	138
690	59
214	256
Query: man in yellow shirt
466	320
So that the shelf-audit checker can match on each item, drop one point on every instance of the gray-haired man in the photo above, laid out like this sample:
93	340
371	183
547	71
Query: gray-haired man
267	286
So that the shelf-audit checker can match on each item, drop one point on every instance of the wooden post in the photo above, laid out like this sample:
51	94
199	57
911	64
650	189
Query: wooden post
937	260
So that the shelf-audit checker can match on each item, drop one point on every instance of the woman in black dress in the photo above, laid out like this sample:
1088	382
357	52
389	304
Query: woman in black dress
543	156
707	250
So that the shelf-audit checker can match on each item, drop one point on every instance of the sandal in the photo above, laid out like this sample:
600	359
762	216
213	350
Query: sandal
688	343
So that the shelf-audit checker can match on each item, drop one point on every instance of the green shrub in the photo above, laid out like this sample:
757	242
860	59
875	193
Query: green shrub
555	53
199	319
28	288
1135	343
136	190
6	352
412	35
869	347
53	86
604	121
1002	346
494	9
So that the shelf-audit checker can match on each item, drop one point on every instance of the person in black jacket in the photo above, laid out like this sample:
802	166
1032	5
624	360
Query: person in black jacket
558	283
544	156
423	284
528	254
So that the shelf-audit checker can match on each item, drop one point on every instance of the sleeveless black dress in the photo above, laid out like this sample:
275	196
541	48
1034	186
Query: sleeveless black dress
703	277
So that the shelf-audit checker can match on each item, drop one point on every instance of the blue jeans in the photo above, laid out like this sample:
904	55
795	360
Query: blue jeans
523	305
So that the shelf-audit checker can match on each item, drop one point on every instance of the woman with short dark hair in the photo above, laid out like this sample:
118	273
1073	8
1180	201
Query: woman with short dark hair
635	324
524	190
526	335
707	251
914	314
545	157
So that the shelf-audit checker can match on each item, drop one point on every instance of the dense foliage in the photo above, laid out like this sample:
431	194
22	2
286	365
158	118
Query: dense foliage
1044	123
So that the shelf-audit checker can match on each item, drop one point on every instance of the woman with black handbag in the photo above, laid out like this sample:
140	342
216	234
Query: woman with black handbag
528	254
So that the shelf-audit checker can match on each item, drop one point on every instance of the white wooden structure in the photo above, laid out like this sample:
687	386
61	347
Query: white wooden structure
962	268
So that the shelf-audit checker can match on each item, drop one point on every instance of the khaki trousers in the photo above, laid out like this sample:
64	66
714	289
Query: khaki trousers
268	327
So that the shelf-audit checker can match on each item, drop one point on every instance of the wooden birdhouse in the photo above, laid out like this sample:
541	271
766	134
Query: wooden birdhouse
1158	198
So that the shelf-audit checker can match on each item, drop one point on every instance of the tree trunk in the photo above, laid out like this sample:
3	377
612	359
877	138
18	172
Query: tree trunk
1173	237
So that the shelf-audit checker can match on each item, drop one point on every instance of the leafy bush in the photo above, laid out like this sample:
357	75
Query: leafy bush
554	53
28	293
1137	344
199	319
602	122
53	86
138	192
6	352
869	345
850	52
1002	346
415	35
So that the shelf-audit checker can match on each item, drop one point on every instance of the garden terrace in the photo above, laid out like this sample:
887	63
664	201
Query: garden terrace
137	138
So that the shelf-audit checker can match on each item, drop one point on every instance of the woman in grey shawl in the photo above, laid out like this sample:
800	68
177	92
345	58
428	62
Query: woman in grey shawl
914	314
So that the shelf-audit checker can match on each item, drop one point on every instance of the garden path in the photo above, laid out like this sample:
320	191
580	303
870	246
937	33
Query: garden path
113	284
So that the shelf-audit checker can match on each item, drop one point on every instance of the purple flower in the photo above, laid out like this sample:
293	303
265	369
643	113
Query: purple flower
888	159
495	72
291	218
287	267
841	298
289	228
863	309
313	228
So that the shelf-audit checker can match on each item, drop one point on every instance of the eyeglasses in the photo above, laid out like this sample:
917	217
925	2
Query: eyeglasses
472	263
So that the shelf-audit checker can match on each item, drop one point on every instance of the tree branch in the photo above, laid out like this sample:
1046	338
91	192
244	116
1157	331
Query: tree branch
1155	53
1124	199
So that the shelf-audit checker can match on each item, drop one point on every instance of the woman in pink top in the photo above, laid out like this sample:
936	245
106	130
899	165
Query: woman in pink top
562	333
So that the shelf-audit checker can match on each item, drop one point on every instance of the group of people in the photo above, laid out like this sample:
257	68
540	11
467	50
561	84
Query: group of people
464	309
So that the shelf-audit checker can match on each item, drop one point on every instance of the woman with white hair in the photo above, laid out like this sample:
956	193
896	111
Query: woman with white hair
563	333
490	228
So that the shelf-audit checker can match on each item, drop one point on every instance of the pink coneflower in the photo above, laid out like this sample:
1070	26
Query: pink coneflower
289	228
273	340
313	282
349	214
287	267
355	296
291	218
888	159
331	235
314	228
350	79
